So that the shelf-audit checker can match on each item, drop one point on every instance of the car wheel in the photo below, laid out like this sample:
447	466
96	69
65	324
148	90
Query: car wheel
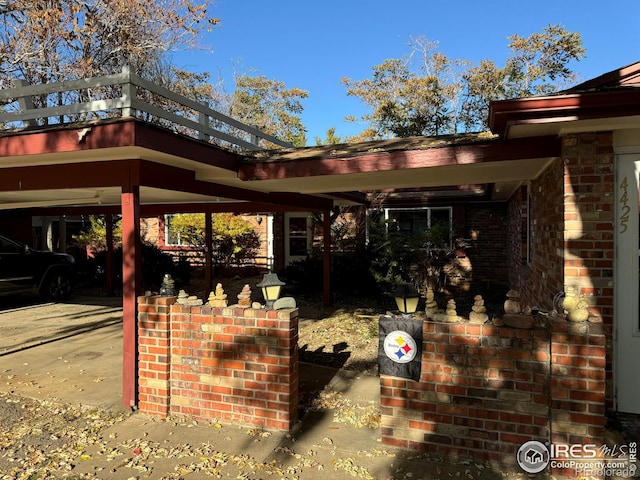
57	287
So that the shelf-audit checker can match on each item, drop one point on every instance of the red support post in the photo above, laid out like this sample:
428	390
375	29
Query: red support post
131	283
326	258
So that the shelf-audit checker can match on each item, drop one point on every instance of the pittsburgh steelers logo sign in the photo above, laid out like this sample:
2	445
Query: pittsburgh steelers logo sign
400	347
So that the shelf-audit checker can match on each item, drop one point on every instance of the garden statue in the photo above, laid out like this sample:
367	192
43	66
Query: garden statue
512	304
452	315
182	297
219	298
188	300
513	314
570	301
244	297
431	307
580	313
168	287
478	312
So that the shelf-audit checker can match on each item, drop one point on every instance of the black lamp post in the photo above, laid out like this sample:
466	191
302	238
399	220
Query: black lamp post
271	286
407	298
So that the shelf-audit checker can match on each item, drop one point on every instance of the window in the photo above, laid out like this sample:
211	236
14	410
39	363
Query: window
171	237
414	221
8	246
298	236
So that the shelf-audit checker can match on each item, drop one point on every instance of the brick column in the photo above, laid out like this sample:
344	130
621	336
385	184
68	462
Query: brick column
234	364
153	354
589	209
578	381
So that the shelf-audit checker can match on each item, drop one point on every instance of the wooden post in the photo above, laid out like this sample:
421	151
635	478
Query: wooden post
326	258
128	93
203	119
131	282
26	103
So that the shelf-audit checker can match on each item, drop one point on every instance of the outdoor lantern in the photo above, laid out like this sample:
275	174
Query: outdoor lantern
407	298
270	286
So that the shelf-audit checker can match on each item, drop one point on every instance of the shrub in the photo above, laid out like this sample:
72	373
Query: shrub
350	274
155	263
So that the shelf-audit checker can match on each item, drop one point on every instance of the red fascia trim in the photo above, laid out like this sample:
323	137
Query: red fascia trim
154	138
491	151
67	140
125	133
584	106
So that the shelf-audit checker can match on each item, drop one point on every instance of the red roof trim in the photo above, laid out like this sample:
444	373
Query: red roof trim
576	106
124	133
628	75
493	151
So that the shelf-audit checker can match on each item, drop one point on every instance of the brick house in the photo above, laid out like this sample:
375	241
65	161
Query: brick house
557	187
549	198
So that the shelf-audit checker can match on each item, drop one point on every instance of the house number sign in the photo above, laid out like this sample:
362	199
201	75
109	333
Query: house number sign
624	205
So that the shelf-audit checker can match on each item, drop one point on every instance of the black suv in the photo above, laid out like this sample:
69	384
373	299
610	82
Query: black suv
23	270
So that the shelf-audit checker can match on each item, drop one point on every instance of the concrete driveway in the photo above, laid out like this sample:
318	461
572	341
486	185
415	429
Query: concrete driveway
67	352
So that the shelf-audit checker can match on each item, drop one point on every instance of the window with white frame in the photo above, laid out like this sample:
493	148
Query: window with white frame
414	221
171	237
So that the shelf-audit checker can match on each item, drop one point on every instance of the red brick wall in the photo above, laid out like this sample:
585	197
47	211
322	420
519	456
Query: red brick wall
234	364
572	236
154	353
589	219
486	390
486	228
539	280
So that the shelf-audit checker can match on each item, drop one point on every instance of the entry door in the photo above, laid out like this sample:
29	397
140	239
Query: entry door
627	318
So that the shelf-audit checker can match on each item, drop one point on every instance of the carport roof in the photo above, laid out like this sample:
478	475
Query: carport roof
87	164
456	166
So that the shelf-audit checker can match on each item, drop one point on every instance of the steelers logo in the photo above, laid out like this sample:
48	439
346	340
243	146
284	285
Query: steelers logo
400	347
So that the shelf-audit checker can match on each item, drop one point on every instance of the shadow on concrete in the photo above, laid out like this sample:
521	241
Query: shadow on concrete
62	334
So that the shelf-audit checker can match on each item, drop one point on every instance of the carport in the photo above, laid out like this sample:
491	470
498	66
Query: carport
116	153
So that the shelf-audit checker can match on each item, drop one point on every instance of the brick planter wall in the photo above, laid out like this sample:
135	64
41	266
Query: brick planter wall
233	364
485	390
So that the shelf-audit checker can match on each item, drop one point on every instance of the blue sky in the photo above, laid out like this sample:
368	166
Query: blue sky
313	44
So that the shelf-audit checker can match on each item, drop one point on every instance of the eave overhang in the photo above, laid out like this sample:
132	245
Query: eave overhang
376	159
612	106
88	164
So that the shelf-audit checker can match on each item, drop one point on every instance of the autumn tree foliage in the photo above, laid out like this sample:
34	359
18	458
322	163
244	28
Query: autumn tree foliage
48	41
44	41
271	106
427	93
234	240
